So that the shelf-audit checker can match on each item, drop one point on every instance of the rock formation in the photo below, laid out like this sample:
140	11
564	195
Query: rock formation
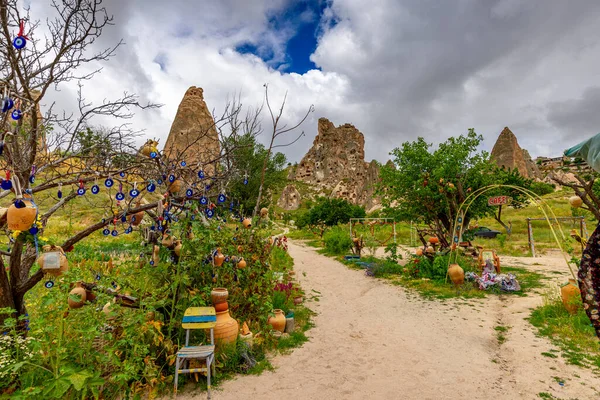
532	169
290	198
507	153
336	164
193	136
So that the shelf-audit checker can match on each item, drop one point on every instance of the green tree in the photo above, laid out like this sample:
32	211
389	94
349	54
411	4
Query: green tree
428	185
329	212
247	159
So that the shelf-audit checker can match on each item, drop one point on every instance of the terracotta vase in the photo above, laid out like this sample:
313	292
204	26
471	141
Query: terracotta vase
457	274
247	222
278	321
219	295
77	297
570	296
227	328
53	261
434	240
419	252
136	219
167	240
219	258
177	248
241	264
176	186
220	307
21	219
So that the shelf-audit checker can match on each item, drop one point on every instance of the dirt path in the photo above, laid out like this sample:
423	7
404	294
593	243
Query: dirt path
373	340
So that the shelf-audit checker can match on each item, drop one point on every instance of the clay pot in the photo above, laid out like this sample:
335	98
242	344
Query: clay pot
167	240
52	257
219	258
570	296
247	222
241	264
240	248
434	240
264	212
90	296
575	201
227	328
430	250
419	252
219	295
136	219
456	274
298	300
149	147
278	321
21	219
220	307
77	293
176	186
177	248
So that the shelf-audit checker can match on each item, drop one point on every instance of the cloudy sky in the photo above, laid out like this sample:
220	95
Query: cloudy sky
396	69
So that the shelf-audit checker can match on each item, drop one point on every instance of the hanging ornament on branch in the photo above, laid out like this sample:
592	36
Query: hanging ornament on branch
21	40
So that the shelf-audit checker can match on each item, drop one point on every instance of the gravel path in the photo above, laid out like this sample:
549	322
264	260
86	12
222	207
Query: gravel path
373	340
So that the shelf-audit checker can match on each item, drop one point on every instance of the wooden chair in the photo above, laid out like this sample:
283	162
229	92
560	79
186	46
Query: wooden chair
197	318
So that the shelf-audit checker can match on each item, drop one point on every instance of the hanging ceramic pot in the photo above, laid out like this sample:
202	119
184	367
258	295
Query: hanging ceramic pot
419	252
177	248
264	212
167	240
53	260
219	295
277	321
149	147
571	296
219	258
21	215
77	297
247	222
575	201
456	274
241	264
434	240
226	330
176	186
136	219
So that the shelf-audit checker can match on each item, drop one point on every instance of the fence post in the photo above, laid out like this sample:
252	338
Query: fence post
530	237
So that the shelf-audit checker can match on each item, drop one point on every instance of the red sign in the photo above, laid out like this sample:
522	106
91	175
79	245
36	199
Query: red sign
499	200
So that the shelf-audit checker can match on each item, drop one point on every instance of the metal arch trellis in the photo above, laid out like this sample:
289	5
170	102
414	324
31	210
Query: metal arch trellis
355	220
582	229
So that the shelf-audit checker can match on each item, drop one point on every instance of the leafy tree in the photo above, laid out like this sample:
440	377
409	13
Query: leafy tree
329	212
428	185
247	159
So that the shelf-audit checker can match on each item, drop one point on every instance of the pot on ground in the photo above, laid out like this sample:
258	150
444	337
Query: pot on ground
277	321
570	296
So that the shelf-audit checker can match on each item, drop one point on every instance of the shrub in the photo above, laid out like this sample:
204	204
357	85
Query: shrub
337	241
542	188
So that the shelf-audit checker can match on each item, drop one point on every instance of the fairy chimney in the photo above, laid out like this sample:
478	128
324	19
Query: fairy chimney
193	137
507	153
290	198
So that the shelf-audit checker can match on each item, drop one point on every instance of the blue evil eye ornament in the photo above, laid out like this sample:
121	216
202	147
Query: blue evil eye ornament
203	200
221	198
153	154
80	191
19	42
59	194
34	230
134	192
19	203
128	230
109	182
151	187
122	174
171	178
210	213
106	232
6	184
120	196
159	181
183	163
189	193
114	232
31	178
16	115
7	104
95	189
245	181
201	174
98	277
49	284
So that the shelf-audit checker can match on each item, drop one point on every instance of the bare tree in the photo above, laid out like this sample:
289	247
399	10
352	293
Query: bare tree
582	186
276	132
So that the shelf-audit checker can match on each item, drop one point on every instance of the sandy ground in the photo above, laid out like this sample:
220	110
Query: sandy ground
373	340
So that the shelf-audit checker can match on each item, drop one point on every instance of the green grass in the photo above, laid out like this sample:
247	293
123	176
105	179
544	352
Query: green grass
573	334
500	333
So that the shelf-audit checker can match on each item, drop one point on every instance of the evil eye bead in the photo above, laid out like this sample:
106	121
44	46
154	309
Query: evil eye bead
34	230
31	178
49	285
1	147
59	194
159	181
221	198
183	163
114	232
16	115
134	192
98	277
151	187
80	191
6	184
245	181
109	182
120	196
19	42
106	232
171	178
122	174
151	262
201	174
153	154
123	219
128	230
19	203
189	193
7	104
210	213
95	189
203	200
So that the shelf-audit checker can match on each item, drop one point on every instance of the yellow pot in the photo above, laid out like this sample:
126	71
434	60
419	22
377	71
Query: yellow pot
21	219
456	274
570	296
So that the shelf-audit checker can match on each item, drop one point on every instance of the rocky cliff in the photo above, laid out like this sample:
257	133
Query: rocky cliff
336	164
507	153
193	136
